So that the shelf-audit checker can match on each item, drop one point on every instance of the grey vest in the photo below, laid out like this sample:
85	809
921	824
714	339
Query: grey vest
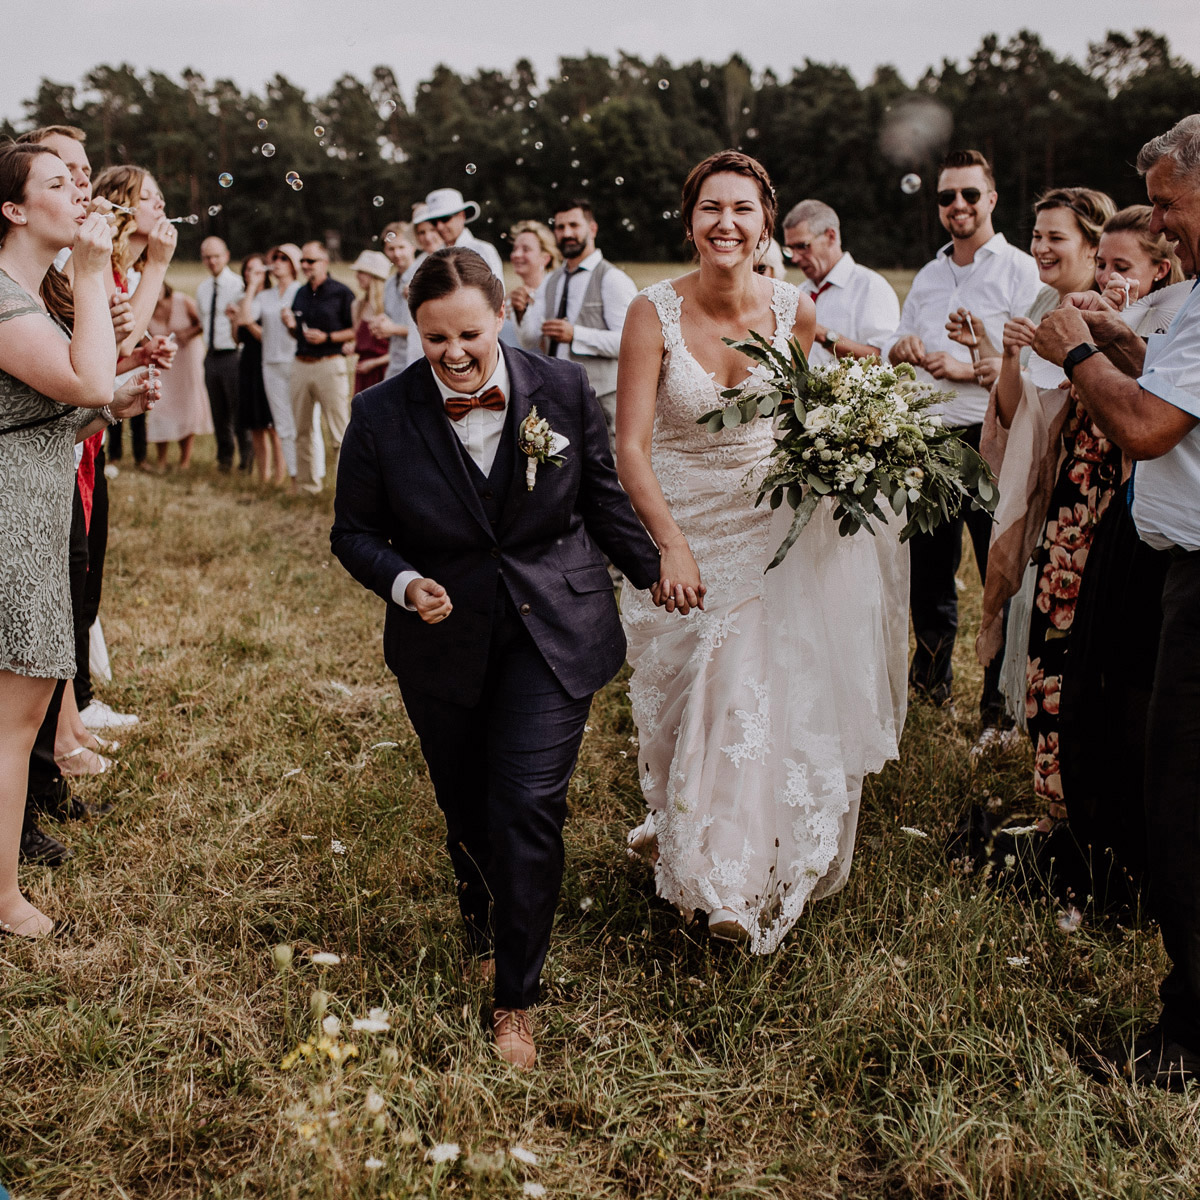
601	372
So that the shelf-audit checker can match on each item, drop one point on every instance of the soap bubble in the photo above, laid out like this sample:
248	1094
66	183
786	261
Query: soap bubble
563	119
533	104
297	184
620	179
583	183
319	131
389	107
268	150
666	214
455	138
574	164
262	122
390	236
471	168
191	219
663	84
587	117
704	83
213	209
225	179
378	202
910	185
520	162
915	129
291	176
537	145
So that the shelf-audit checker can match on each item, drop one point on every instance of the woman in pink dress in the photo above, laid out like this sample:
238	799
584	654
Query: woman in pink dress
183	410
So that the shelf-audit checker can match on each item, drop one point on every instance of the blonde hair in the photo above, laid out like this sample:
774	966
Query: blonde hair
1090	208
545	239
1136	220
122	185
373	294
402	230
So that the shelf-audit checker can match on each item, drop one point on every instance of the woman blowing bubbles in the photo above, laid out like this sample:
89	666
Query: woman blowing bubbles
54	391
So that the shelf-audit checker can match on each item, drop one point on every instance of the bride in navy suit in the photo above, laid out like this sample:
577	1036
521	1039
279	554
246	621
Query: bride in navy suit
476	494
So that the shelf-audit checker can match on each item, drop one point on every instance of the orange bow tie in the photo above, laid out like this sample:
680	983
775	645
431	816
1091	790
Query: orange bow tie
457	407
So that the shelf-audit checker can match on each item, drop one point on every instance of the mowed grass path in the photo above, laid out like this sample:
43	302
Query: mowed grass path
906	1042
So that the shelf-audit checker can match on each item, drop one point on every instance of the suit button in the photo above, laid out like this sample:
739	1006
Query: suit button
524	610
495	551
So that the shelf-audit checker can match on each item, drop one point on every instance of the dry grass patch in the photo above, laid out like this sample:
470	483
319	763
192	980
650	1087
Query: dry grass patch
890	1049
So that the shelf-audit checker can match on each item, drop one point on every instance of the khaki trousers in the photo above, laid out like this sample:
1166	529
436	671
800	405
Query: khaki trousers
325	382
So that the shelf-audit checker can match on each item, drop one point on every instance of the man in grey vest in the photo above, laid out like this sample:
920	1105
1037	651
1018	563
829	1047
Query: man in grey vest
580	312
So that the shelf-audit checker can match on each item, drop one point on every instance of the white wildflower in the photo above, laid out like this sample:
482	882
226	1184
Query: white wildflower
332	1026
913	831
1018	960
384	745
373	1164
524	1156
370	1025
913	477
585	904
322	958
1071	920
531	1188
443	1152
374	1102
293	771
337	847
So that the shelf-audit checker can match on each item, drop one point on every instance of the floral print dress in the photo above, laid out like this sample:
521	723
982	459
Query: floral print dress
1087	478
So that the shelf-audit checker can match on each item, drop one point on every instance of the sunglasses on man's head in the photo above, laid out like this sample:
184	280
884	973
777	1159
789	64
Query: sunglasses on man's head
945	198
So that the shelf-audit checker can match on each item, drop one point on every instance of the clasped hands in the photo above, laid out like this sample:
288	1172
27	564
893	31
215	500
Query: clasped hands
678	589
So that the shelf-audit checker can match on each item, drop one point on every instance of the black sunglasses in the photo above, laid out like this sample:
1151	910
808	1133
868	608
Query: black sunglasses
945	198
308	262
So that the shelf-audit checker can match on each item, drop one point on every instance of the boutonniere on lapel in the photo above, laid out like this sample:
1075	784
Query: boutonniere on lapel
541	444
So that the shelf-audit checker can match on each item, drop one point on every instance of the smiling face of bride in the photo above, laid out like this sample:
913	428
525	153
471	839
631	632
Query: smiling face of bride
728	222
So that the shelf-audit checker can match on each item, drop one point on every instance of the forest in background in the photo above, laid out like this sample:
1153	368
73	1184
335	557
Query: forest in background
624	133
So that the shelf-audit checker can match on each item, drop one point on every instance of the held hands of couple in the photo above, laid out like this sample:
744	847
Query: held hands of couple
679	588
430	600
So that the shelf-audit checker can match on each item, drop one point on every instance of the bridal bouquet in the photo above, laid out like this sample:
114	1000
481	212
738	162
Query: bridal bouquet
857	431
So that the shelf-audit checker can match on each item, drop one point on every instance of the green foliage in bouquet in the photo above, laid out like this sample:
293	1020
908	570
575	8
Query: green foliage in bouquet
858	431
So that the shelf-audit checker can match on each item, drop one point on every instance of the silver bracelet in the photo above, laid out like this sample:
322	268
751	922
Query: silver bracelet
107	413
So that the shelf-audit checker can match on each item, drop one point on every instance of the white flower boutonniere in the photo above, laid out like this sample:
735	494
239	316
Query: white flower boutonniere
541	444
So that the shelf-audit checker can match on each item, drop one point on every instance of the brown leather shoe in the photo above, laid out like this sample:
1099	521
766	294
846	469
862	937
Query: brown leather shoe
514	1037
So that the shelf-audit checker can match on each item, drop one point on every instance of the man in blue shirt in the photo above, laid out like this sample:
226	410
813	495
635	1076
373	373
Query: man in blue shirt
1151	409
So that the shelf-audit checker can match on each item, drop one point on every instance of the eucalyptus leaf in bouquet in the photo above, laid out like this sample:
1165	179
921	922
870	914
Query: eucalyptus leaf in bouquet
858	431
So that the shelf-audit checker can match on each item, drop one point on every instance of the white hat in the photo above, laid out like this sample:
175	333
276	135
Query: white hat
445	202
373	263
420	212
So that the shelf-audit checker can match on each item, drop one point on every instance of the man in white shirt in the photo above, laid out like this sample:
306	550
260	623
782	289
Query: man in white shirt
1151	409
214	295
977	270
857	309
581	311
448	211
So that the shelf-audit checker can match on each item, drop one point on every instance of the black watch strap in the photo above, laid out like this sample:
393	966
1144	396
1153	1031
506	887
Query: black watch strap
1076	355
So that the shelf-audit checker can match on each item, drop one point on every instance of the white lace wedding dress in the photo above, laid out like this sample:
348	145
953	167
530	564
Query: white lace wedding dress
759	717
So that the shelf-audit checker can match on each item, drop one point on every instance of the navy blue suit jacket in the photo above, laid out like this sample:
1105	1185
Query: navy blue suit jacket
405	502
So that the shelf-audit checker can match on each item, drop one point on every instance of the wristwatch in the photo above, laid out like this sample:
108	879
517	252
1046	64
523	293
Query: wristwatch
830	341
1076	355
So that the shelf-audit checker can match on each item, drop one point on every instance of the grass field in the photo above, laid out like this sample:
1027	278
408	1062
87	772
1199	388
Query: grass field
907	1042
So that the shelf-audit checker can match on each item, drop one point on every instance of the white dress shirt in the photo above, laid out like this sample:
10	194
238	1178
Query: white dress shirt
480	432
1000	284
229	291
617	292
1166	490
856	302
485	250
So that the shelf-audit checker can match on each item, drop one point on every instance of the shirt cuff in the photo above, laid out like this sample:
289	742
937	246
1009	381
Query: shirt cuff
400	586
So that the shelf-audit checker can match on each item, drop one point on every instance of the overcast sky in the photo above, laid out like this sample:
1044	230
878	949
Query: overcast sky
314	41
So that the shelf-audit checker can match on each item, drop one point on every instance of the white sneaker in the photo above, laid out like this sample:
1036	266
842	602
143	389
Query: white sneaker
98	715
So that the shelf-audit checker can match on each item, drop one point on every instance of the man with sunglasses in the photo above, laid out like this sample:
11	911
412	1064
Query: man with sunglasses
977	270
857	309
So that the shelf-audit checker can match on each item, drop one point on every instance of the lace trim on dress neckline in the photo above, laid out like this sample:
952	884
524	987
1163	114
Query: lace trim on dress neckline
668	304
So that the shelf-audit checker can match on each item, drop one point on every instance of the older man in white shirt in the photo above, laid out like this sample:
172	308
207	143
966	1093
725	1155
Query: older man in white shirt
977	270
1151	409
857	309
580	312
448	211
214	296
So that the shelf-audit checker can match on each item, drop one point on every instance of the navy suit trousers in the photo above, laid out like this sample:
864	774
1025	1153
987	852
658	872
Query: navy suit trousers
500	770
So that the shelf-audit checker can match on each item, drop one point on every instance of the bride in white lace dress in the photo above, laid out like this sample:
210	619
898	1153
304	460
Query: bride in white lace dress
760	712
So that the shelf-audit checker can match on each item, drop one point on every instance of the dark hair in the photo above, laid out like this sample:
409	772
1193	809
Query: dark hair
580	202
1089	208
969	158
35	136
446	271
15	160
262	258
729	162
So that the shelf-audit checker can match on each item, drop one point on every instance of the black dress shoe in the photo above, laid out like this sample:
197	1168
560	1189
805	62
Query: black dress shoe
1154	1060
59	805
39	848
